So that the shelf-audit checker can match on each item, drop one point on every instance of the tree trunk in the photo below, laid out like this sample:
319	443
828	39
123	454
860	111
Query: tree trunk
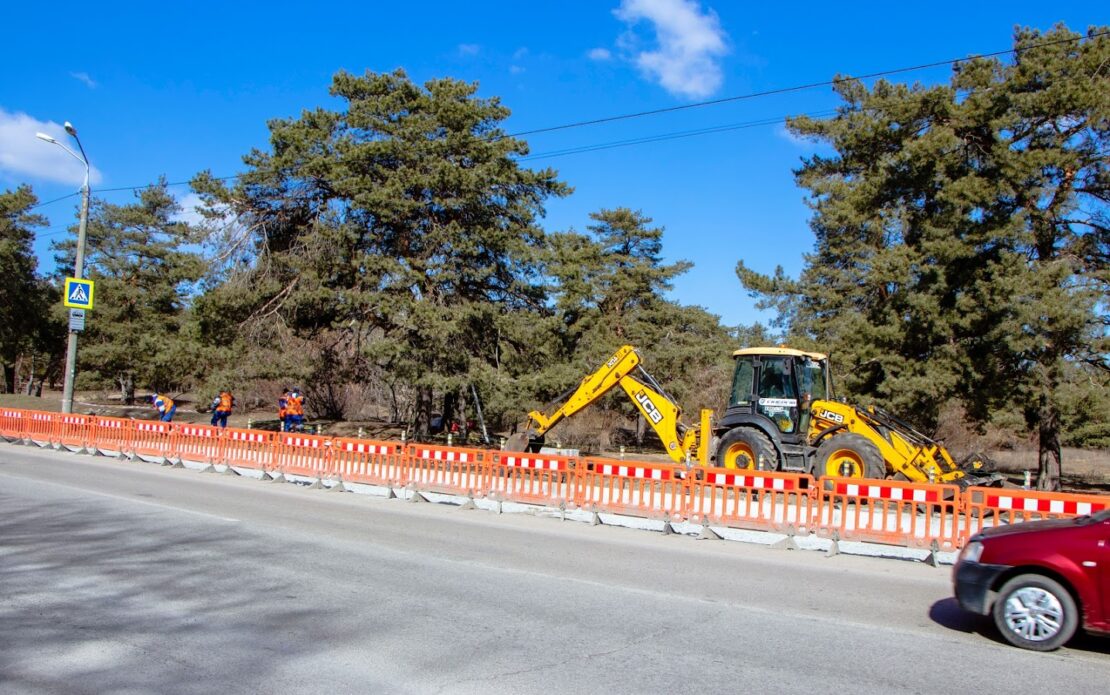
422	418
450	406
1048	436
9	379
127	388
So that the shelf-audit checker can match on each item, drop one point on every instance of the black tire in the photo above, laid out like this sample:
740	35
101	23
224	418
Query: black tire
746	448
1035	612
860	454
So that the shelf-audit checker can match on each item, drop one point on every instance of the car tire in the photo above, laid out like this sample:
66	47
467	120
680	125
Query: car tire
1035	612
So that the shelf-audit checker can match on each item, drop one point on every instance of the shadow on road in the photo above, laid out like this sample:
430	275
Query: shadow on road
947	613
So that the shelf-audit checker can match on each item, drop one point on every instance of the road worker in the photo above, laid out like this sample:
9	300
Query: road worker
283	410
294	411
221	408
165	407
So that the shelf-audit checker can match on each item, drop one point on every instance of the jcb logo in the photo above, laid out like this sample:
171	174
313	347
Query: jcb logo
830	415
652	412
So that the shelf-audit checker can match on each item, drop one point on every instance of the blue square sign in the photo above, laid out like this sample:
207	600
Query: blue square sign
79	294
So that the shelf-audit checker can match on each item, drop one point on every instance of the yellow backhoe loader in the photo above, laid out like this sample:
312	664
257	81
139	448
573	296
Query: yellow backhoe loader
781	415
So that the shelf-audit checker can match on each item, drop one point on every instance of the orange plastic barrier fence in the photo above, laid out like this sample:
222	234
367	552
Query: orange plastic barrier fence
751	499
198	443
884	511
11	423
302	454
39	427
153	439
373	463
248	448
73	430
889	511
446	469
531	478
986	506
112	434
622	487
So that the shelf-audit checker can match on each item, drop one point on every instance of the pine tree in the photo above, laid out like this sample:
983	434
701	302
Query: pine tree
145	276
962	236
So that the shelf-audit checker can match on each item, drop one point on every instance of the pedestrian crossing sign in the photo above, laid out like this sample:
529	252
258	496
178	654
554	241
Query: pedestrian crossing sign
79	293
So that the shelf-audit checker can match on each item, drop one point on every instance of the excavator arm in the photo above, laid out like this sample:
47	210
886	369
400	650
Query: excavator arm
659	409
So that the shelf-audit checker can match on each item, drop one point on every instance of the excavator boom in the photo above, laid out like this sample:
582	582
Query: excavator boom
658	409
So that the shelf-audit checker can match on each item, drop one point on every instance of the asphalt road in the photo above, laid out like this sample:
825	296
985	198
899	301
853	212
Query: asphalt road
131	578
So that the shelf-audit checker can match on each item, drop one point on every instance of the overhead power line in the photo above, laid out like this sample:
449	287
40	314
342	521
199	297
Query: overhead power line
684	107
796	88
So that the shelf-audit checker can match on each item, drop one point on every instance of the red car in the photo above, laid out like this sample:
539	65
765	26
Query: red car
1041	580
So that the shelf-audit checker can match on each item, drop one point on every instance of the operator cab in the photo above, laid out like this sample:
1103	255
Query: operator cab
776	387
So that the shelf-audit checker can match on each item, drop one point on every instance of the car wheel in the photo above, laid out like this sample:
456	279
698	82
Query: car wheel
1035	612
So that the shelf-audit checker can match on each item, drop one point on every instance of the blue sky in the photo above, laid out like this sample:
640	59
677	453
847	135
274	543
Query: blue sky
172	89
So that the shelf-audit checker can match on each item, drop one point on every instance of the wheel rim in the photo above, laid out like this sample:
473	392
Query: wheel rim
1034	614
739	455
837	461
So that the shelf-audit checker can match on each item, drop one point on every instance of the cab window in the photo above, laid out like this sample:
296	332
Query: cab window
778	397
743	381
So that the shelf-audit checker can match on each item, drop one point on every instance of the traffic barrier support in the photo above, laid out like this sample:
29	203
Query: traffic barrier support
373	463
634	488
761	500
531	478
889	511
450	470
991	506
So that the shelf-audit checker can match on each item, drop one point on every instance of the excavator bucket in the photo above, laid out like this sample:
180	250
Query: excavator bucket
517	442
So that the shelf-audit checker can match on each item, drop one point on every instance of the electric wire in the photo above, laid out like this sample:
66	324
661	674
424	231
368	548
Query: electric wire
799	88
683	107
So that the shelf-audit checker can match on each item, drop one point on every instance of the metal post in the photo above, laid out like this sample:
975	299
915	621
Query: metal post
79	273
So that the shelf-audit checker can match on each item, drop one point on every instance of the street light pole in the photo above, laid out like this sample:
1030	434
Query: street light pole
79	264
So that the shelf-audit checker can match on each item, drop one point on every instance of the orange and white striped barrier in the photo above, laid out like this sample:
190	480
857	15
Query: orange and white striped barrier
302	454
531	478
372	463
882	511
448	470
889	511
985	506
760	500
642	489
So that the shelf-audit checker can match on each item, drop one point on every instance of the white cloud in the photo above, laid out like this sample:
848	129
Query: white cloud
23	154
189	212
599	54
689	44
520	53
84	77
469	49
516	69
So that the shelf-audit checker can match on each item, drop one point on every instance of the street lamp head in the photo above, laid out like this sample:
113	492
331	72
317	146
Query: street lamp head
47	138
70	129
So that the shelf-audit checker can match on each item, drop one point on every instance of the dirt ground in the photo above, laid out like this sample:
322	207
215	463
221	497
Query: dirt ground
1085	470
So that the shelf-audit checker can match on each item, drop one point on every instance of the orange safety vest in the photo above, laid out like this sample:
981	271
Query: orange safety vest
282	410
225	402
295	405
163	403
